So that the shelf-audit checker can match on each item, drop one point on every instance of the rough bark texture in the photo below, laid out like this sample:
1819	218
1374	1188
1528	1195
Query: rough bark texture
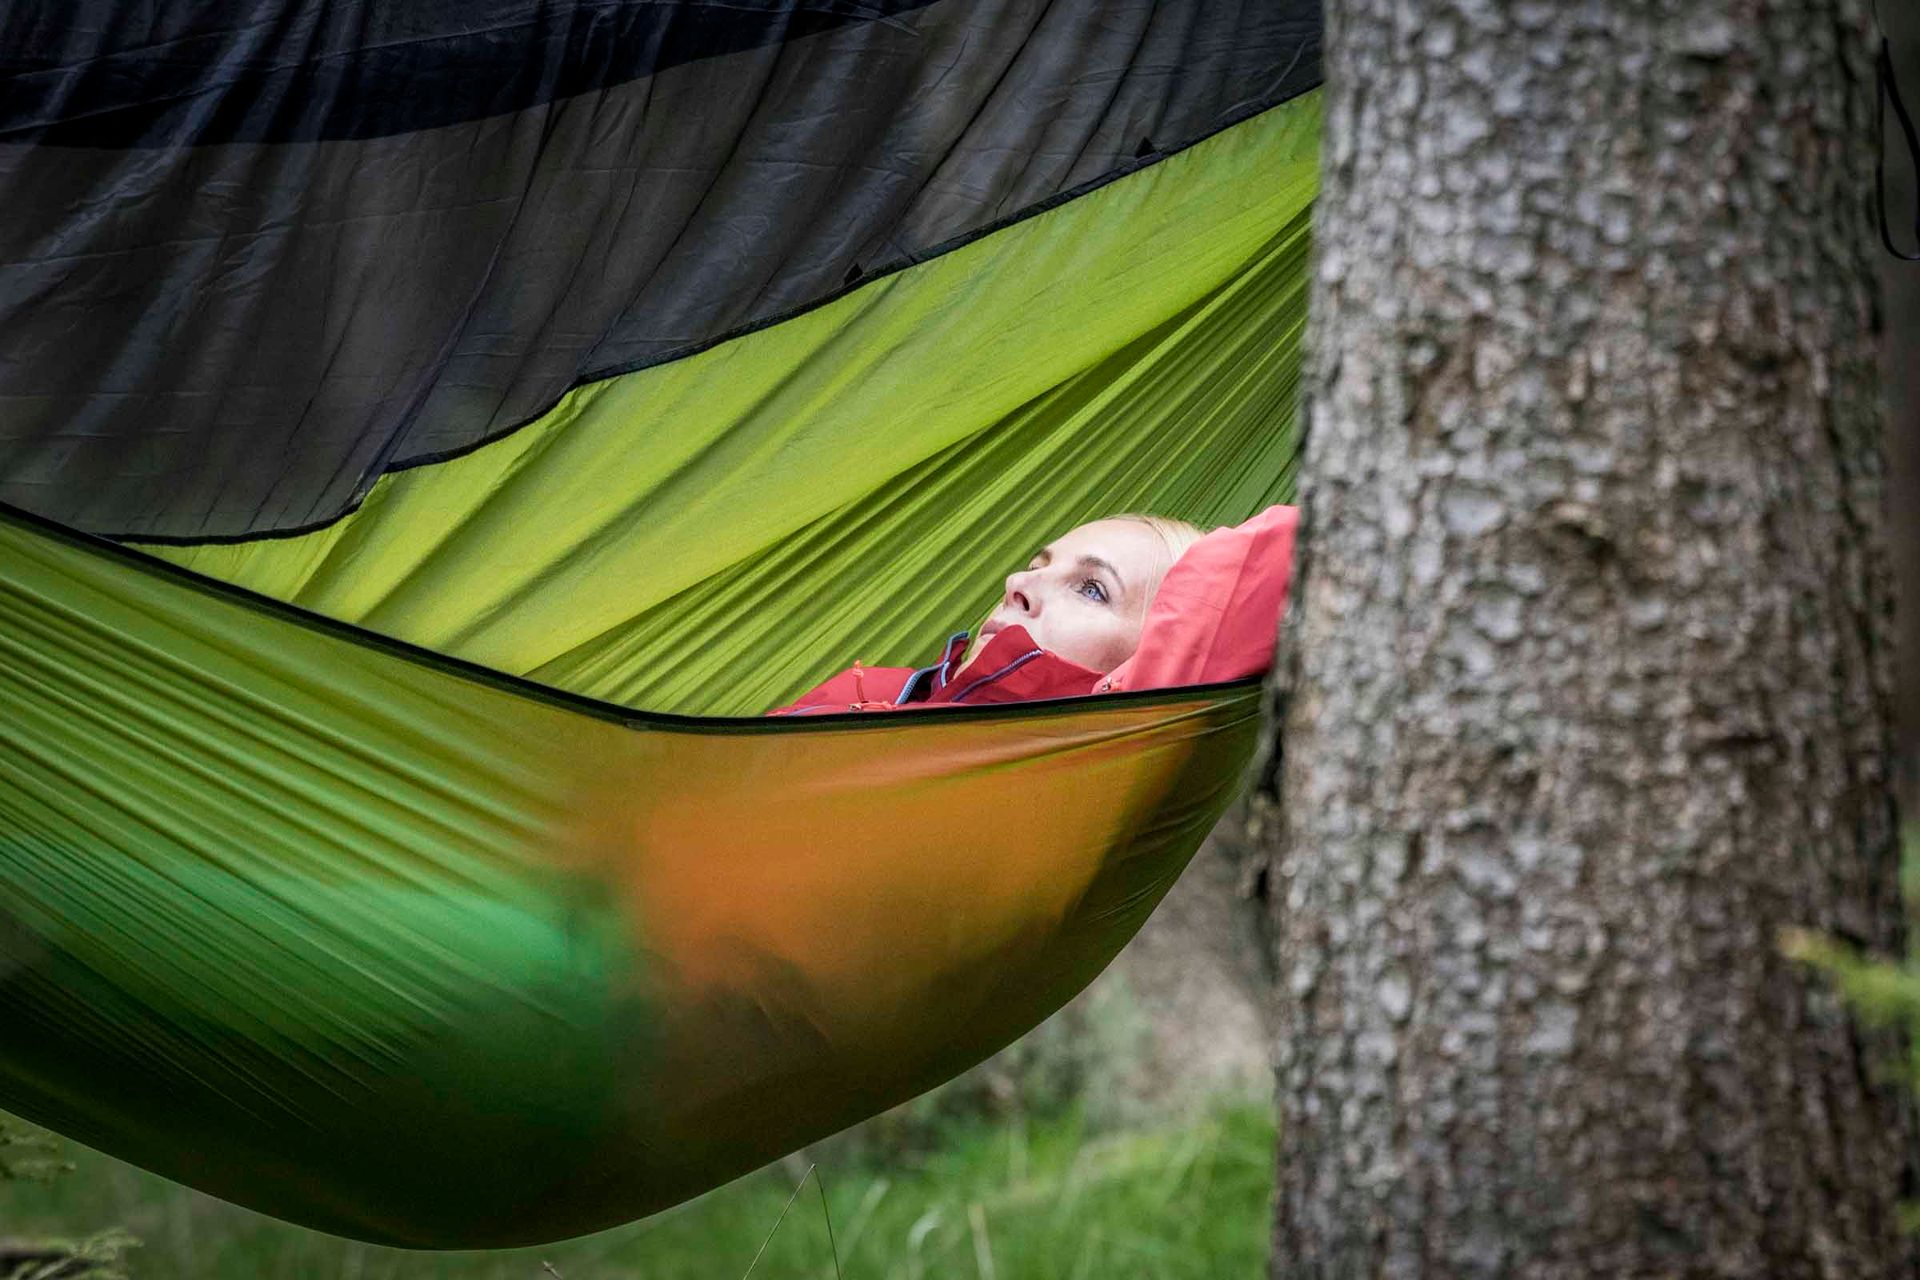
1587	682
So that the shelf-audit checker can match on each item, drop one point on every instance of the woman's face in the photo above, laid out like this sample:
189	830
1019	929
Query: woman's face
1084	596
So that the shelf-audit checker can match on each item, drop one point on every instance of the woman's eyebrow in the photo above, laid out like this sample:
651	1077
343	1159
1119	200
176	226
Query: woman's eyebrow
1096	562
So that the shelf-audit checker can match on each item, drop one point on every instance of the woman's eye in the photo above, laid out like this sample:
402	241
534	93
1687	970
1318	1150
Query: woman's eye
1092	590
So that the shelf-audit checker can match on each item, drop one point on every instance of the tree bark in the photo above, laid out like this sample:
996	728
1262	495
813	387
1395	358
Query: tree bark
1587	680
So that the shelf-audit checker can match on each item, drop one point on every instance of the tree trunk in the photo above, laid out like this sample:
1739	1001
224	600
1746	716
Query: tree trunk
1587	679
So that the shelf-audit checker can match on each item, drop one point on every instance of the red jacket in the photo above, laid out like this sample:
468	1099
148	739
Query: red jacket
1012	668
1215	618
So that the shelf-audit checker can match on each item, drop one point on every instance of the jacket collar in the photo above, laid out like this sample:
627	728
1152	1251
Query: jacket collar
927	681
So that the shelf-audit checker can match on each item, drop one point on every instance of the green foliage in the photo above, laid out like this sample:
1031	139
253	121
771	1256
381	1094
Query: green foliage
1884	992
98	1257
1049	1199
28	1154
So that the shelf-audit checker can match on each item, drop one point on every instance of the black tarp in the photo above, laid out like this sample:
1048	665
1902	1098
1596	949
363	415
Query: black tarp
253	255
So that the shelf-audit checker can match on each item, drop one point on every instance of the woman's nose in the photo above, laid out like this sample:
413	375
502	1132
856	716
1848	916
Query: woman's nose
1020	591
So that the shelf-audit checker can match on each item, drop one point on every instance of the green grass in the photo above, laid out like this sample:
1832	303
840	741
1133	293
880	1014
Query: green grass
1049	1201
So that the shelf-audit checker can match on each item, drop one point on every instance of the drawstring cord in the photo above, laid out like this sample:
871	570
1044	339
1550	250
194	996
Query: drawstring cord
1890	96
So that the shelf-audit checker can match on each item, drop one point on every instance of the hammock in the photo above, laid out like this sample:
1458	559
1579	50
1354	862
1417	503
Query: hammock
388	841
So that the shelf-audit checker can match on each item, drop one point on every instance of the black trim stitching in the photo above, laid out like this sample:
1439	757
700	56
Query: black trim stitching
599	709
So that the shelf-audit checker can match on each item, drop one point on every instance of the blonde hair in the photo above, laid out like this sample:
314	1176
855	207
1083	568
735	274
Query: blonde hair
1177	534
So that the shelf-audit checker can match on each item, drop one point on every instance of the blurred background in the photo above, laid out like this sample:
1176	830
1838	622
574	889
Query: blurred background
1131	1135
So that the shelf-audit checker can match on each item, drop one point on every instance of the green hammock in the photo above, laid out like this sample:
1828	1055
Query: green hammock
340	875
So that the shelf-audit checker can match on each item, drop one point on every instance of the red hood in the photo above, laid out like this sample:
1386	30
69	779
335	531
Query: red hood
1215	618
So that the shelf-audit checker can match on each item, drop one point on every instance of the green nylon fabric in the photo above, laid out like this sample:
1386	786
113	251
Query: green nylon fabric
715	534
403	953
263	897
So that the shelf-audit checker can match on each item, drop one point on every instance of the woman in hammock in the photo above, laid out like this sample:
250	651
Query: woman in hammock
1128	602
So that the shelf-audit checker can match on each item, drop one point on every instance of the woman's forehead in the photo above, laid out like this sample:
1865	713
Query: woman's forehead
1107	538
1131	551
